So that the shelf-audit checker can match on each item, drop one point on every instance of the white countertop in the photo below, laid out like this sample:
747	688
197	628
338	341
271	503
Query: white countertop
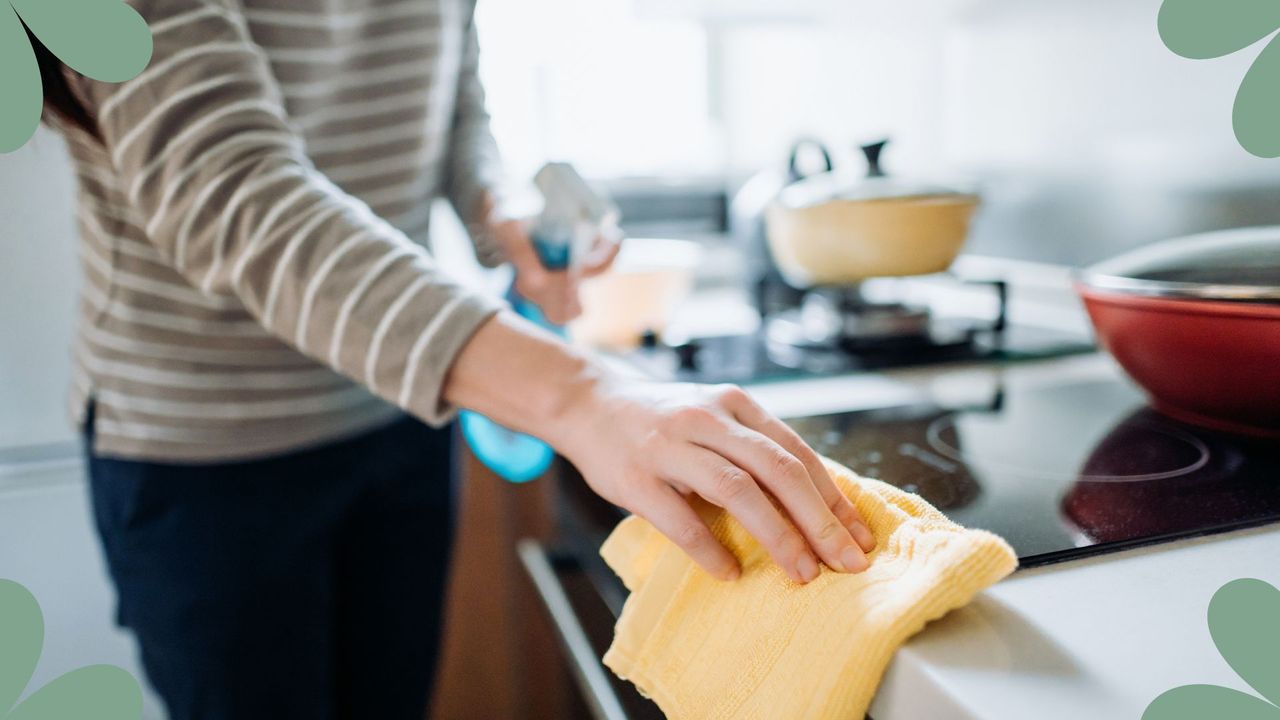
1096	638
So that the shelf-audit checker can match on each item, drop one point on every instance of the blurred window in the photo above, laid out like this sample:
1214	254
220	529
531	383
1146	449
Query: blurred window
596	83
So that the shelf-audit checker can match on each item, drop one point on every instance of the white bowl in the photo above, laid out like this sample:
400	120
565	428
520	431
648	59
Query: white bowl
647	282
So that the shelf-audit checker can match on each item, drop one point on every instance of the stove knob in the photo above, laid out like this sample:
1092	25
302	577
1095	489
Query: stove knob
687	355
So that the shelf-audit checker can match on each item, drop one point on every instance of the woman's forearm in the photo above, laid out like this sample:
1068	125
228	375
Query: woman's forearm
649	447
522	377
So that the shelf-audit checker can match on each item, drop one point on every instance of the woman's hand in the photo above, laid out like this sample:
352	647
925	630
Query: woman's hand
555	292
648	447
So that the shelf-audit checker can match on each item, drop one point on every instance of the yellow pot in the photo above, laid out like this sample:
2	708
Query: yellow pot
823	233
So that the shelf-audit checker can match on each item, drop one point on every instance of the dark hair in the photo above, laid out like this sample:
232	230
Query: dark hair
58	98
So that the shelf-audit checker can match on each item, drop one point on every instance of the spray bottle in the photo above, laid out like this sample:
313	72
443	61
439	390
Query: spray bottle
572	219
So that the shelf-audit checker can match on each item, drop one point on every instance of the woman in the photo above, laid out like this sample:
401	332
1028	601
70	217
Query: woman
267	360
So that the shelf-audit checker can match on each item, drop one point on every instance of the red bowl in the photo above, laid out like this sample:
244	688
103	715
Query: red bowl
1213	363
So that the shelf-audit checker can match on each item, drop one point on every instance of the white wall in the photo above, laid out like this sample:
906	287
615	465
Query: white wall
594	83
969	83
39	275
1085	133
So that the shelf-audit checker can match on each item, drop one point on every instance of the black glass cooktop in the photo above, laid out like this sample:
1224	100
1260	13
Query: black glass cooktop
1062	471
752	358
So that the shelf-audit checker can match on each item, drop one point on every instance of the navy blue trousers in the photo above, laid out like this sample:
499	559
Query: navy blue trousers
304	586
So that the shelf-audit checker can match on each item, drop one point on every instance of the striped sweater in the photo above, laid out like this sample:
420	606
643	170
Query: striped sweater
254	218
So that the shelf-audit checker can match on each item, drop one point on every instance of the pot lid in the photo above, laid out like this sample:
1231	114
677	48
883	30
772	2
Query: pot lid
873	184
839	186
1236	265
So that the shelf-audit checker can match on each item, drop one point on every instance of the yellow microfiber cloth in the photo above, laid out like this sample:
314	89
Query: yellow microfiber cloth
766	648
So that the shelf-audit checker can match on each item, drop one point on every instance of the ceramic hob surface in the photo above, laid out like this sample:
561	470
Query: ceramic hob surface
1061	470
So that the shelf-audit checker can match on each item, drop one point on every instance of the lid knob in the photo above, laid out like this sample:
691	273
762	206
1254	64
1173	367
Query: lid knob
872	153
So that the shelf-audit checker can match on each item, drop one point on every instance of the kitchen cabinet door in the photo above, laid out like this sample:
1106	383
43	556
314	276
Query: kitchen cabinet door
500	656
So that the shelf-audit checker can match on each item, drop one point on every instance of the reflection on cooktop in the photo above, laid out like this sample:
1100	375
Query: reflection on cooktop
1061	471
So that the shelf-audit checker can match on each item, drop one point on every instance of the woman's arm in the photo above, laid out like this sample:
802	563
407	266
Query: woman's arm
649	447
207	155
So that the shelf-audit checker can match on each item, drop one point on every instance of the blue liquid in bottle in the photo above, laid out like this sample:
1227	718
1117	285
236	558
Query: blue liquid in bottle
514	456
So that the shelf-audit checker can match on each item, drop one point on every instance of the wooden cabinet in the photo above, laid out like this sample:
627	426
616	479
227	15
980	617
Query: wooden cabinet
500	657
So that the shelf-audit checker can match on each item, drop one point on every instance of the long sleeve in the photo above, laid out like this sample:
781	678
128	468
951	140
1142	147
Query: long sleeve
474	163
207	154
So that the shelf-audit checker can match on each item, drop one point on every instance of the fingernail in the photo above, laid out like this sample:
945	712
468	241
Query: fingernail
866	539
730	573
853	560
807	567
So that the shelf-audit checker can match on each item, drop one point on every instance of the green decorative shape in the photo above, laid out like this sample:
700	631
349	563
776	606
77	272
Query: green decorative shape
102	39
1204	702
21	637
94	692
21	96
1202	29
1256	116
1244	620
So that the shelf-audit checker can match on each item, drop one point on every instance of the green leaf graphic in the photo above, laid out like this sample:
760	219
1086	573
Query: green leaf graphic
20	85
1202	29
95	692
1257	111
1244	620
1202	702
21	637
102	39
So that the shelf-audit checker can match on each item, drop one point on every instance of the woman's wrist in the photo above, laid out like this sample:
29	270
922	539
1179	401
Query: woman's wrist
578	407
527	379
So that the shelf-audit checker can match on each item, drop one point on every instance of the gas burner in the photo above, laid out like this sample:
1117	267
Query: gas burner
863	336
833	317
842	321
942	342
